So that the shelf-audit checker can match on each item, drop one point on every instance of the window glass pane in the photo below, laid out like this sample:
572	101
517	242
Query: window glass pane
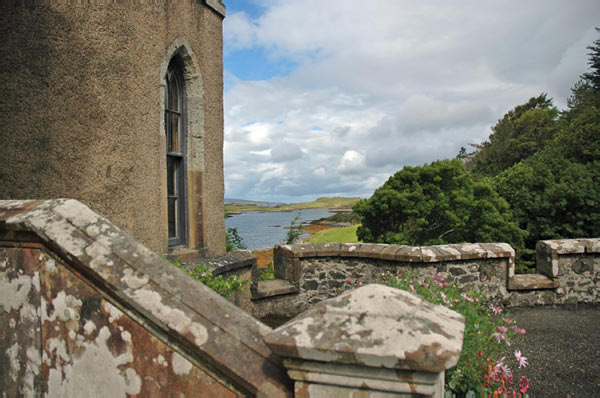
174	145
172	217
173	94
171	176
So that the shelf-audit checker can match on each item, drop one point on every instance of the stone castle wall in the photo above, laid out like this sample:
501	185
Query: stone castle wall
82	109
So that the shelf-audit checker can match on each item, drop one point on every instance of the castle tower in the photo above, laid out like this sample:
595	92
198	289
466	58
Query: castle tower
118	104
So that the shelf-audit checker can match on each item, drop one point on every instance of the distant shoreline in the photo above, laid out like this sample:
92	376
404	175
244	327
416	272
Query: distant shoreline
336	204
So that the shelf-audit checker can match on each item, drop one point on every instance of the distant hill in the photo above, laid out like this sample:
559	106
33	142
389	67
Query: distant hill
252	202
237	206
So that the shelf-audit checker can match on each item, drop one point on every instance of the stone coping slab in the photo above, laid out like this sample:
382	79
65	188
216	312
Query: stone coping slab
182	312
400	253
531	282
374	326
275	287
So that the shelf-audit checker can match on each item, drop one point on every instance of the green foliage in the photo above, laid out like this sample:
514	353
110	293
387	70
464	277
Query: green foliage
485	339
233	240
267	273
556	193
436	204
203	274
593	77
294	232
522	132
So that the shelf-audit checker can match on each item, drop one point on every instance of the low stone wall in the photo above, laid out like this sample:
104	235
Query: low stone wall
569	272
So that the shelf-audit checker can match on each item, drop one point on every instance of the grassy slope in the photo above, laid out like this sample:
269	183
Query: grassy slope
337	235
320	203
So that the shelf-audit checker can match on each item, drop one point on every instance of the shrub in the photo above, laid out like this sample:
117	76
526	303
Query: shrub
203	274
480	369
233	240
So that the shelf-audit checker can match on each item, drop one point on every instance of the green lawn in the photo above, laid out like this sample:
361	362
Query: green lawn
336	235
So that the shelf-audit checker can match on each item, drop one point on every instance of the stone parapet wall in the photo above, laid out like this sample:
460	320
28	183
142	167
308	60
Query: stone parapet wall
86	310
568	271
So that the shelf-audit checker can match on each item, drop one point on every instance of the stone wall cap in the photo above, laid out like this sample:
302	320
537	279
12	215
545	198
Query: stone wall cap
350	249
371	250
374	326
564	246
327	249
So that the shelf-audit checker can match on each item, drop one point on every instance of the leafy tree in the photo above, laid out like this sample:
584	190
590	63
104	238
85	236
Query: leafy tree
522	132
556	193
593	77
436	204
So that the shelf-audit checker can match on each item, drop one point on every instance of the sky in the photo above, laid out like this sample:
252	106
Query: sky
332	97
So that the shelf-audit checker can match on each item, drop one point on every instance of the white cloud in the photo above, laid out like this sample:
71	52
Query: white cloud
239	31
352	162
387	84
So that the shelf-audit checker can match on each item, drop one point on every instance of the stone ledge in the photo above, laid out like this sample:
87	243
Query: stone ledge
400	253
231	262
275	287
531	282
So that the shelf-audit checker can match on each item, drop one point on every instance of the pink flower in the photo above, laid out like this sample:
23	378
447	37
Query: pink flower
350	281
412	288
484	279
509	321
499	337
495	310
523	384
360	284
502	329
469	299
522	359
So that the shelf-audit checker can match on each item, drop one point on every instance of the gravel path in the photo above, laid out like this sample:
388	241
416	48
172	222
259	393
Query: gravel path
562	344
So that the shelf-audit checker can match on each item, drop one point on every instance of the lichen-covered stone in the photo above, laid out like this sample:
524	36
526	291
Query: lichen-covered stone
374	326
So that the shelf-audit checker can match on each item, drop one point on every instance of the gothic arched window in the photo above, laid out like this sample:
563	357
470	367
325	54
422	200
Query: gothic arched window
175	128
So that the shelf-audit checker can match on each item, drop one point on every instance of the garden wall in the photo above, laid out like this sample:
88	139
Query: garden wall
568	272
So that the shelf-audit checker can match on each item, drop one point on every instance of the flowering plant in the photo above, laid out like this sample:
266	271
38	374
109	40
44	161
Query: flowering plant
481	368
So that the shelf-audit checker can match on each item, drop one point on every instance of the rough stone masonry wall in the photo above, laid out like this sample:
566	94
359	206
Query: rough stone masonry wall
85	310
568	272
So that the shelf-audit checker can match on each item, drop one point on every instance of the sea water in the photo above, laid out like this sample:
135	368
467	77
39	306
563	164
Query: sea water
262	230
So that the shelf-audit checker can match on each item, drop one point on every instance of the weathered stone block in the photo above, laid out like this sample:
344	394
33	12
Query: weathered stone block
410	254
327	249
388	252
370	250
440	253
349	249
372	341
471	251
531	282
